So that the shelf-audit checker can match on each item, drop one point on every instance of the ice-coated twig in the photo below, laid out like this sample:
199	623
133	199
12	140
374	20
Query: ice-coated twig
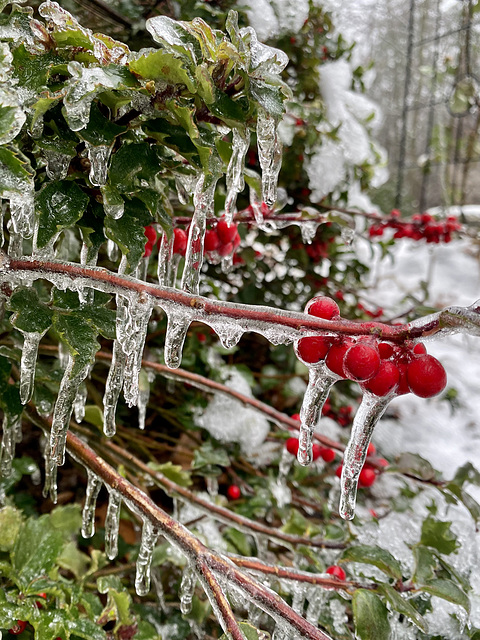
113	387
234	179
269	155
187	589
31	340
368	414
320	381
144	560
94	484
112	523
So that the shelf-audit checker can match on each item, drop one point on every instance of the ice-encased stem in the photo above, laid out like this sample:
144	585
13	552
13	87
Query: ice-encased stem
204	208
99	157
64	408
113	387
11	425
269	155
187	589
150	535
320	381
234	178
177	327
368	414
112	522
31	340
94	484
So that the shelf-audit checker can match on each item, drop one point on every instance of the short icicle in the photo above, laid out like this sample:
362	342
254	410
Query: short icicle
234	179
144	381
113	387
177	327
50	485
80	402
269	155
187	589
112	522
150	535
320	381
31	340
94	484
368	414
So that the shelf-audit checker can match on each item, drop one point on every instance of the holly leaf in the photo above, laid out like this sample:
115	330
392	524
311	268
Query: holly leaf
16	172
376	556
173	472
61	204
118	603
10	524
30	314
209	459
79	337
154	64
447	590
438	535
100	130
370	616
415	465
402	605
175	39
36	549
425	565
129	230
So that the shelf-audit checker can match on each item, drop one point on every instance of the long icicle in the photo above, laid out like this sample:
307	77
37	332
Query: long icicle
112	522
94	484
234	178
269	155
7	449
368	414
31	340
113	387
150	535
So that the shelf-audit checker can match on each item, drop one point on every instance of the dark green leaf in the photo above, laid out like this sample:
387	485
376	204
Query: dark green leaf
402	605
31	315
36	549
100	130
79	337
415	465
16	171
60	204
447	590
437	535
425	565
129	230
370	616
376	556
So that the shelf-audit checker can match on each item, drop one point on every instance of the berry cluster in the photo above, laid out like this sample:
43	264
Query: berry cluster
421	226
380	368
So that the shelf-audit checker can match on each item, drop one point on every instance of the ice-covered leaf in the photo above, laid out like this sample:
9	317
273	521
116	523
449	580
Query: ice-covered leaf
60	204
370	616
376	556
36	549
466	473
30	313
173	472
128	232
425	564
437	534
118	602
133	165
447	590
100	130
79	337
250	632
67	519
414	464
154	64
15	172
175	38
10	524
12	116
454	493
209	459
402	605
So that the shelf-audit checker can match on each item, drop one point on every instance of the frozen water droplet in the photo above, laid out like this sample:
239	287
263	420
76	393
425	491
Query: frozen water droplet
112	250
150	535
94	484
234	178
113	205
112	522
320	381
269	155
368	414
99	157
113	387
27	364
178	323
187	589
308	230
57	164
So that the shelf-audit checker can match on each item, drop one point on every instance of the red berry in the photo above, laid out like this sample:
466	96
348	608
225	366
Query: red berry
212	241
179	241
402	387
426	376
338	470
322	307
337	572
327	454
316	451
386	380
385	350
420	349
367	477
312	350
151	234
335	359
296	416
371	451
225	249
233	492
225	232
383	463
362	361
292	446
18	628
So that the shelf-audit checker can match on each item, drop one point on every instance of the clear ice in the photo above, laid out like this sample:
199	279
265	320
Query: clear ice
234	179
99	157
368	414
269	155
150	535
94	484
113	387
167	262
178	323
112	522
28	361
12	429
187	589
139	310
57	164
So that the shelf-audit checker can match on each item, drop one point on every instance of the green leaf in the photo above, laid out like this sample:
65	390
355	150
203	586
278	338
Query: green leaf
31	315
91	225
118	602
438	535
72	559
67	519
10	523
15	170
370	616
415	465
61	204
402	605
133	165
12	118
155	64
250	632
79	337
36	549
100	130
129	231
239	540
173	36
376	556
93	415
173	472
447	590
209	459
425	565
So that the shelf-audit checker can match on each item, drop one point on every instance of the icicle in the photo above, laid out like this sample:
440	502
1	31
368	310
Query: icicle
63	355
308	229
269	155
22	211
185	186
15	243
279	487
203	202
79	403
112	522
144	380
11	425
94	484
50	486
368	414
63	410
150	535
31	340
139	311
320	381
57	164
112	250
187	589
99	157
177	326
316	600
212	486
165	258
113	387
235	180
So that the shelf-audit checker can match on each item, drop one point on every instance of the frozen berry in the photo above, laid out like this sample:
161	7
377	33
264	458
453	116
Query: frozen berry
179	241
382	462
338	470
386	379
225	249
292	446
426	376
226	232
316	451
337	572
18	628
236	240
233	492
362	361
402	387
313	349
367	477
296	416
327	454
335	359
420	349
372	450
322	307
385	350
212	241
